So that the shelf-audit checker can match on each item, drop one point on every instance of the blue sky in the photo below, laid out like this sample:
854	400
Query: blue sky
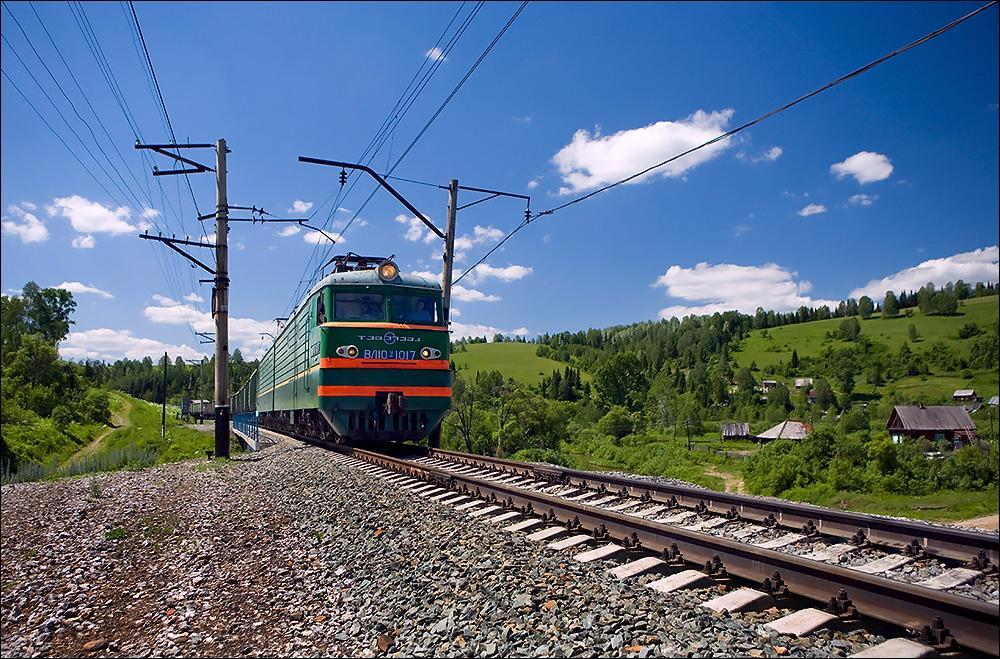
887	181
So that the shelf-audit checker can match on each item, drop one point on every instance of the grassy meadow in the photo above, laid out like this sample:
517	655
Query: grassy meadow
514	360
809	338
133	441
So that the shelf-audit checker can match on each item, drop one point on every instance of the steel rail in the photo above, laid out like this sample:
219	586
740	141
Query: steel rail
973	624
942	541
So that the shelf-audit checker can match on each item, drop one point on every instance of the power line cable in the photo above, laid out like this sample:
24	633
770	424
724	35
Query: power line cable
56	133
437	112
388	126
778	110
159	93
405	101
94	112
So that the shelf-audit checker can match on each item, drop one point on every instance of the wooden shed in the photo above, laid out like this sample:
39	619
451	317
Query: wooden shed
737	430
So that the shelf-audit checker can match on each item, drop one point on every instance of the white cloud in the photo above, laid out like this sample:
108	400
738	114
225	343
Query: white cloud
740	229
589	161
240	245
971	267
149	213
84	242
171	312
725	287
463	294
812	209
30	229
770	155
194	297
207	239
455	313
435	54
299	206
164	300
80	288
474	330
290	230
864	166
315	237
532	184
480	235
862	199
508	273
416	230
87	216
109	344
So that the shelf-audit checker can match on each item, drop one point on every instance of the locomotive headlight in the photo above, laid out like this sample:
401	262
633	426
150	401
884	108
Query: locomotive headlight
387	271
348	351
430	353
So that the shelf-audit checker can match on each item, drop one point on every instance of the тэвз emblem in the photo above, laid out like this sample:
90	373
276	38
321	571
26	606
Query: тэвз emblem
389	338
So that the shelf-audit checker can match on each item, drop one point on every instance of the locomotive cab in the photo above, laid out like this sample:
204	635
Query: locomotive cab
374	357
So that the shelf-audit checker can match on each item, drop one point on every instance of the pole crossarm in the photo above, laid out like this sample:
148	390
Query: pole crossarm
381	181
162	149
478	201
495	193
172	244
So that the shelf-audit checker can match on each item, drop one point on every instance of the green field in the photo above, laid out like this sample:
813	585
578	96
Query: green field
514	360
809	338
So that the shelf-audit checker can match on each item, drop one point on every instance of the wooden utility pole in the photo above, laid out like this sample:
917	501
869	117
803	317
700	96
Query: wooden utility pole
221	304
449	248
163	418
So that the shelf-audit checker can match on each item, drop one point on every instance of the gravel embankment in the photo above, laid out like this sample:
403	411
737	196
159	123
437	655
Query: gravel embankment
287	552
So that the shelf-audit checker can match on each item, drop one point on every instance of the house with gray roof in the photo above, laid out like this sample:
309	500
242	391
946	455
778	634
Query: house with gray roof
965	396
937	423
787	429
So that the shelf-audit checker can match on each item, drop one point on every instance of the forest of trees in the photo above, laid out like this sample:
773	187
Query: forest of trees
658	377
49	405
45	402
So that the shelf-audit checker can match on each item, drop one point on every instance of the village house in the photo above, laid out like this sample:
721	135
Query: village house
937	423
787	429
768	385
738	430
965	396
802	383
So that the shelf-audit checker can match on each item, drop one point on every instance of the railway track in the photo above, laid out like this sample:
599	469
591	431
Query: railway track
671	529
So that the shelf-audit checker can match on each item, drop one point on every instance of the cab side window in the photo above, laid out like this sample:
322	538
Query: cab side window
320	309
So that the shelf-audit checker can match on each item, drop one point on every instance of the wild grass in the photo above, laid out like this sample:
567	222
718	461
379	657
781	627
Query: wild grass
809	338
136	445
514	360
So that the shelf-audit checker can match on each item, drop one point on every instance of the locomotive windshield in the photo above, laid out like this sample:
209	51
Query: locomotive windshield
358	306
413	309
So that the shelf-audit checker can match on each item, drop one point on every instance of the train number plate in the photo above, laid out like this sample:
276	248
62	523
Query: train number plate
389	354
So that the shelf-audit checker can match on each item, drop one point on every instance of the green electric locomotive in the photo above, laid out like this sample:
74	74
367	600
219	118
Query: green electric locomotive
365	356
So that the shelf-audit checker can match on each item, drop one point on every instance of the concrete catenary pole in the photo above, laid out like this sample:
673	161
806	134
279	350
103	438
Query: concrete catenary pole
449	248
221	305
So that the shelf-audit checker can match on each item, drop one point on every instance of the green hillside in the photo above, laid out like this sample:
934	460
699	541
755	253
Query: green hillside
808	338
767	348
514	360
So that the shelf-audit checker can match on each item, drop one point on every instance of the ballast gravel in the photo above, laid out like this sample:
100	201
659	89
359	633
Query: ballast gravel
291	552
